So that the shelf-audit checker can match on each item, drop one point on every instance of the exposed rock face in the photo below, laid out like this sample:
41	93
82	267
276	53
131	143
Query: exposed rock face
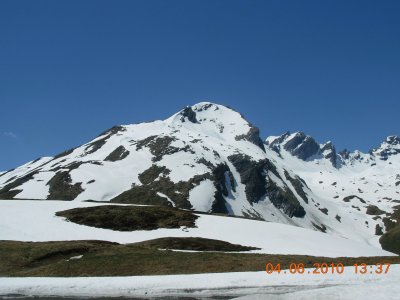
374	210
393	140
351	197
160	146
9	191
155	184
155	180
306	148
329	152
252	175
390	240
253	136
118	154
298	144
275	143
389	147
278	140
292	143
61	187
220	174
345	154
302	146
285	199
189	114
298	186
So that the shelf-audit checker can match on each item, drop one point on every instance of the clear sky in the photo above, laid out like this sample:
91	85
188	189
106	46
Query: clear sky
71	69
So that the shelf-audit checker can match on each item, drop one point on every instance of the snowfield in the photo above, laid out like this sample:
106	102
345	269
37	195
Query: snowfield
244	285
35	220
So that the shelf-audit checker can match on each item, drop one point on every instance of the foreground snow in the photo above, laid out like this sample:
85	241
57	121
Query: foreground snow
246	285
30	220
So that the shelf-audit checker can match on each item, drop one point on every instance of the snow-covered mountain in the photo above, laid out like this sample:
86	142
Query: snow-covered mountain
209	158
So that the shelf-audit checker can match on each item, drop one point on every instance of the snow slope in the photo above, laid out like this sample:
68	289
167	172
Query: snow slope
27	220
213	136
246	285
367	179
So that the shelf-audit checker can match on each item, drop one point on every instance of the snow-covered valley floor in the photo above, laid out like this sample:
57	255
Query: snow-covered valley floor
30	220
243	285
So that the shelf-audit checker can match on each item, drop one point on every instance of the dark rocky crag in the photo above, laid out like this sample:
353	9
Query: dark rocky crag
302	146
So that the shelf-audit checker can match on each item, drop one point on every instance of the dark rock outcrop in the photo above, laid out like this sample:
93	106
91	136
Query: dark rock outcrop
219	177
9	191
189	114
275	145
345	154
298	186
252	175
302	146
61	187
160	146
252	136
329	153
118	154
374	210
154	181
285	200
351	197
388	148
113	130
390	240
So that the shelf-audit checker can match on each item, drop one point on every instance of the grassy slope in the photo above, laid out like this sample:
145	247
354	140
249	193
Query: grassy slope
194	243
129	218
110	259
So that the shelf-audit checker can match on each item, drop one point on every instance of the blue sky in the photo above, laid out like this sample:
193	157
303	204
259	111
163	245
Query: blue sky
71	69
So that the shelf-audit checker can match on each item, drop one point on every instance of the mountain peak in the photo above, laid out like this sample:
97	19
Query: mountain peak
390	146
393	140
206	111
298	144
209	108
302	146
218	121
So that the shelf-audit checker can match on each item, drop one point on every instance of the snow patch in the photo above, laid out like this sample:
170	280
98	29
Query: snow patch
202	196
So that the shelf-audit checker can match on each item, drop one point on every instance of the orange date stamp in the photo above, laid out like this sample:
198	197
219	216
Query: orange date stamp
328	268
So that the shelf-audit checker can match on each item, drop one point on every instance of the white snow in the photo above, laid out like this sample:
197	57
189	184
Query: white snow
166	197
202	196
75	257
36	188
27	220
246	285
22	170
328	186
